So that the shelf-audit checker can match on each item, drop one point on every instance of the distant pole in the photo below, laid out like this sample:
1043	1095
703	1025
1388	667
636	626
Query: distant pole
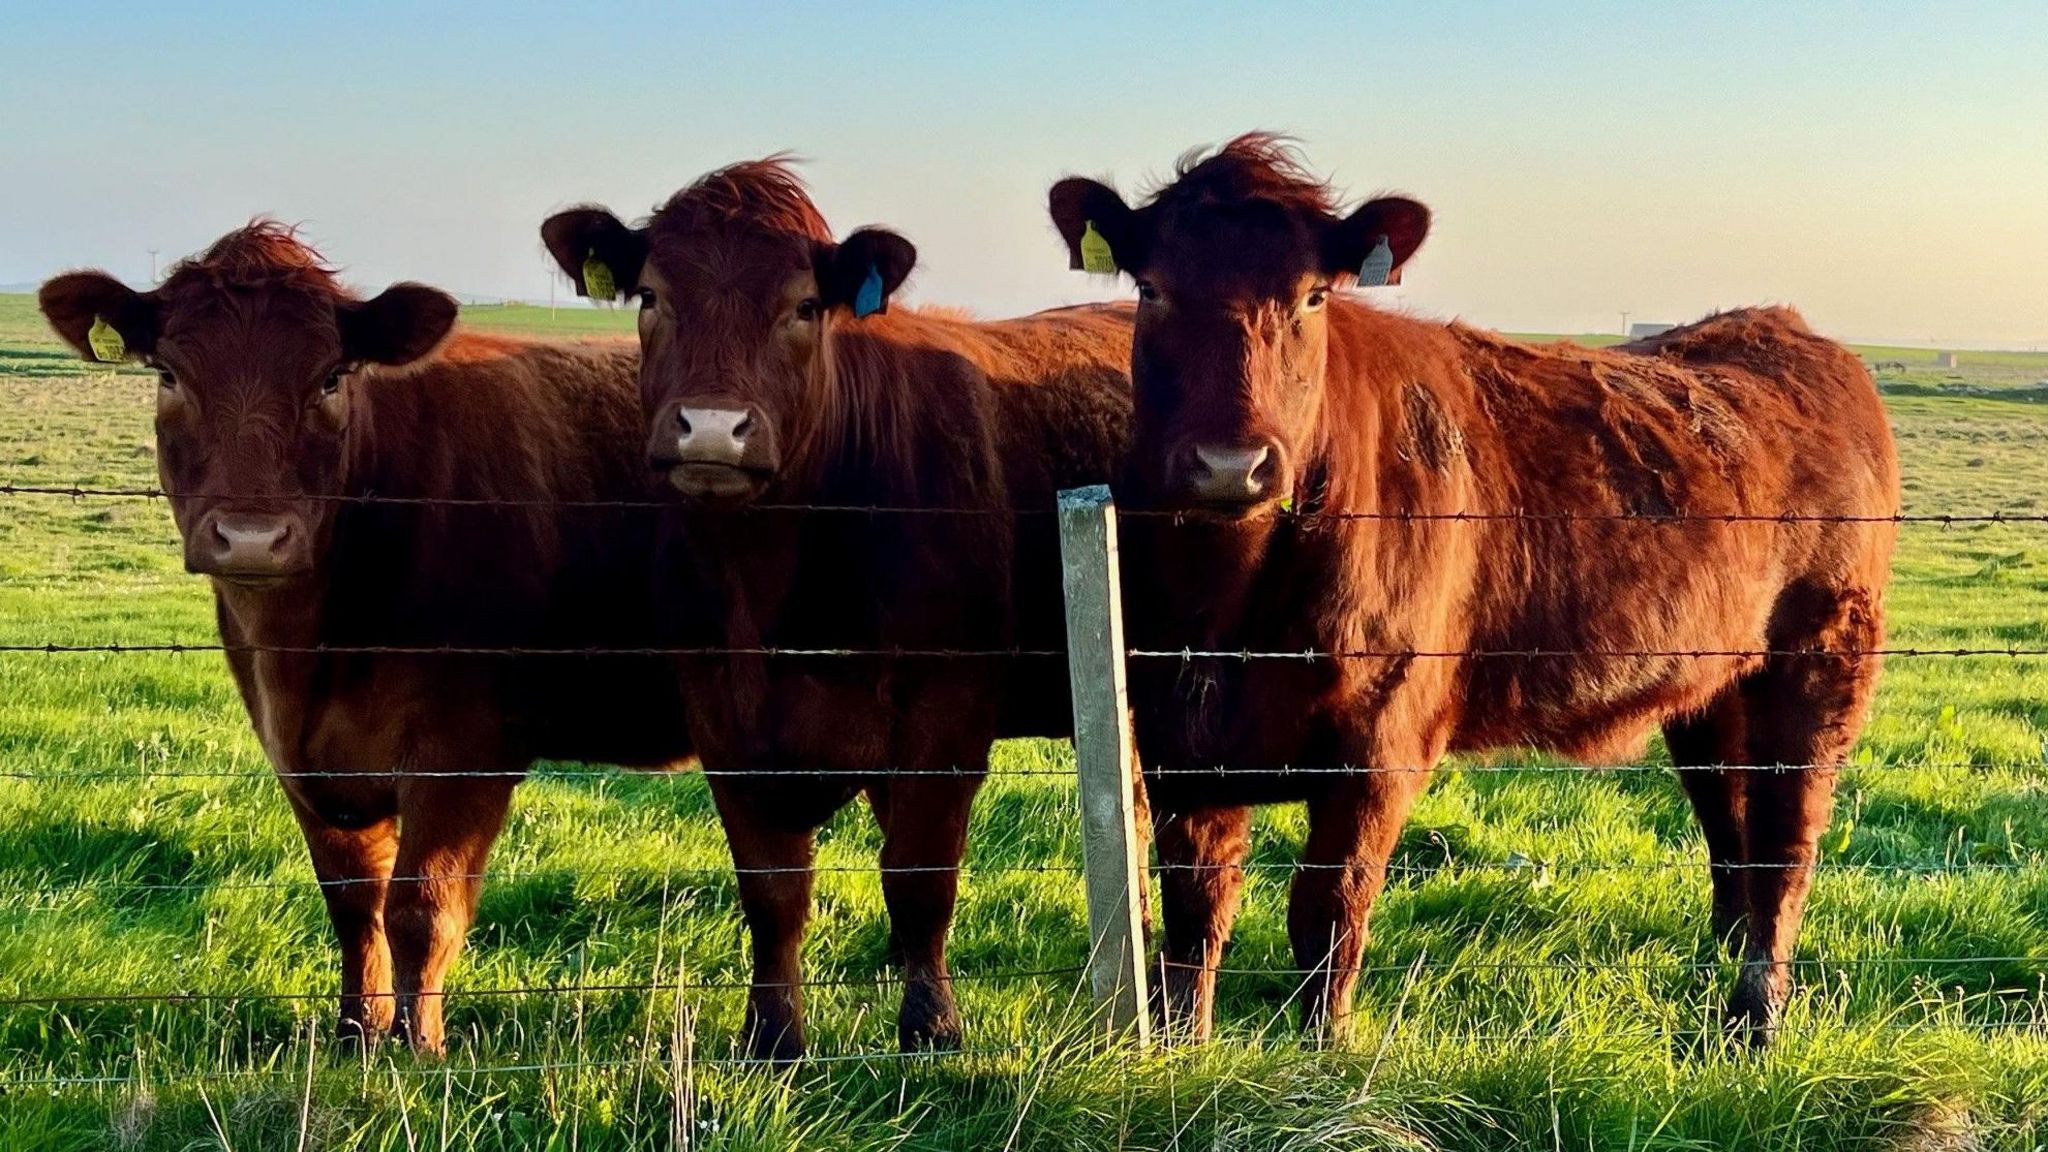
1110	846
1624	321
152	265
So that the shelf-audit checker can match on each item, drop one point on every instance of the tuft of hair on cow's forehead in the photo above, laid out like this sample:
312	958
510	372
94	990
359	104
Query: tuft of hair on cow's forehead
1257	167
264	253
258	283
1245	218
762	194
743	231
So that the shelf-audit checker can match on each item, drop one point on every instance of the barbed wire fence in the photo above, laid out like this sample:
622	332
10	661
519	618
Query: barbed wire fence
1115	973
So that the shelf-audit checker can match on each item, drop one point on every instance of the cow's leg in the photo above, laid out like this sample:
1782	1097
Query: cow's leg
1201	863
446	828
1698	744
924	835
947	730
1352	832
1804	713
353	864
773	863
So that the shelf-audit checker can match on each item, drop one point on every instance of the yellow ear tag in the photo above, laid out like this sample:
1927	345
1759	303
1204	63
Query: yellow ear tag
1377	271
597	280
107	345
1095	254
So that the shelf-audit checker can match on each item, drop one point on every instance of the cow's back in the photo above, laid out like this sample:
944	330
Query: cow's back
1639	490
1061	400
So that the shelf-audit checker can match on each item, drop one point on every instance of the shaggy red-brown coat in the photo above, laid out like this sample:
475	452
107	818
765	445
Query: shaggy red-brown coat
281	397
1298	427
763	384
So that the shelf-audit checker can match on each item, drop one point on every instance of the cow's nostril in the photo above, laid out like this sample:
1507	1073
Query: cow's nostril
1260	474
744	428
1233	475
683	421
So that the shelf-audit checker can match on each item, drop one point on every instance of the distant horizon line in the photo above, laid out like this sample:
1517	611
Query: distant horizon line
1932	344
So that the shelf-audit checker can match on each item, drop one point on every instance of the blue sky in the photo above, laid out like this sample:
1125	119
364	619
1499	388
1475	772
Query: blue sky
1883	166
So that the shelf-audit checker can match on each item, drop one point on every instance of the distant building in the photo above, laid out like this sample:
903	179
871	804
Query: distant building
1639	330
1948	360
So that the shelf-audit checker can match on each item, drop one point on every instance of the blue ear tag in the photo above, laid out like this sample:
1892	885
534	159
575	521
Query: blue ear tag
1378	269
869	300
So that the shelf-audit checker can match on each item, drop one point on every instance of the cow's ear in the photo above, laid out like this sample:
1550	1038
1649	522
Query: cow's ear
1353	244
104	319
593	247
397	326
864	270
1103	234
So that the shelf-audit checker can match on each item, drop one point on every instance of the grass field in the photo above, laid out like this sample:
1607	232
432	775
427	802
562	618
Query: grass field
1537	965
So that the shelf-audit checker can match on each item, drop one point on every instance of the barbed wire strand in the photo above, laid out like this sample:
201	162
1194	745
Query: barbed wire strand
878	980
1451	867
542	1067
142	772
1433	1040
150	492
1311	654
1574	965
182	647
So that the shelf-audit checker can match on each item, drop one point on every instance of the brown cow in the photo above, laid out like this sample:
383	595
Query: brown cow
774	373
282	397
1296	427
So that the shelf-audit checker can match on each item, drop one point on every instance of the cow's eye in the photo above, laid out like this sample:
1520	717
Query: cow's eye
809	308
332	384
1315	299
646	298
165	378
1146	291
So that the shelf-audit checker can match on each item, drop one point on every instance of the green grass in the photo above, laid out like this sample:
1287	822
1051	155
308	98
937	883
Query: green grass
533	319
1548	1011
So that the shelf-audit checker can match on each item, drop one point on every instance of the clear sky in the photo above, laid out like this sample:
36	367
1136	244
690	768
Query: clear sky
1882	166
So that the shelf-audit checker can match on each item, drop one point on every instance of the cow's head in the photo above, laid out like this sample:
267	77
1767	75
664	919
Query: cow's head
256	349
1235	261
740	287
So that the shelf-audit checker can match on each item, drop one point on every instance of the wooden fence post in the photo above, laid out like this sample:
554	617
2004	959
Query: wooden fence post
1110	844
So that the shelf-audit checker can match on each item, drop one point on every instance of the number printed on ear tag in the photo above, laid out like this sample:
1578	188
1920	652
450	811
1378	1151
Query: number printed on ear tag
1096	257
1378	268
868	300
107	345
597	279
